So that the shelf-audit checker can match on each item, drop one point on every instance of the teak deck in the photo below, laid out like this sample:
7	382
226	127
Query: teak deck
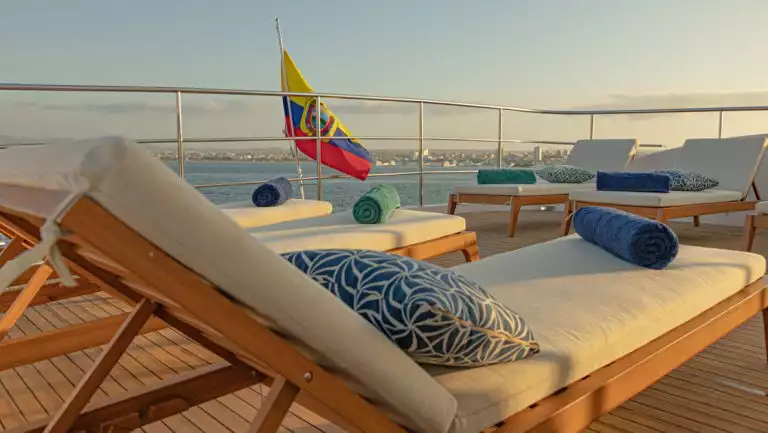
722	389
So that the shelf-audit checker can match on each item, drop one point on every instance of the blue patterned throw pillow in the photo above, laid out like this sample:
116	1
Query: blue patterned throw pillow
435	315
682	180
565	174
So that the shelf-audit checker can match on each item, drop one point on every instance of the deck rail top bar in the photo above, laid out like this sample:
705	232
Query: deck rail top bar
242	92
500	139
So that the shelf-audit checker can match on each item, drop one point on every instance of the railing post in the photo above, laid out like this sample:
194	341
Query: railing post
421	154
720	124
319	142
591	126
500	148
179	135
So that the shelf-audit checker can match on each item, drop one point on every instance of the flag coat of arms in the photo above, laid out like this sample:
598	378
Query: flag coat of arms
339	149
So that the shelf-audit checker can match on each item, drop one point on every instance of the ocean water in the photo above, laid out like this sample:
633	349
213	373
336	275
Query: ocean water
341	192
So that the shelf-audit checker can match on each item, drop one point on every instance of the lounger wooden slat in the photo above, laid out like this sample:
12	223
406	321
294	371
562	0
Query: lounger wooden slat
664	214
24	299
61	341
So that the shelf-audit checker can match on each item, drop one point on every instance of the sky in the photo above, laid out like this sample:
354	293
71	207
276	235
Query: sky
528	53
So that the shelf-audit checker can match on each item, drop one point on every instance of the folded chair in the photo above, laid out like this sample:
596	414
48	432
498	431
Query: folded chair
733	162
246	215
607	329
593	154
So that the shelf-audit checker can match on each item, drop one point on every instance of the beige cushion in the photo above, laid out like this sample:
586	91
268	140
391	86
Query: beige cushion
246	215
656	199
732	161
603	154
163	208
587	311
404	227
762	207
524	190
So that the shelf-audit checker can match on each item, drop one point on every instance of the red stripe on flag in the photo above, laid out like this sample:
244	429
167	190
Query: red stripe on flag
334	157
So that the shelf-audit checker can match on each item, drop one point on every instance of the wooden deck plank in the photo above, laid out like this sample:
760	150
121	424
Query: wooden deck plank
651	422
725	388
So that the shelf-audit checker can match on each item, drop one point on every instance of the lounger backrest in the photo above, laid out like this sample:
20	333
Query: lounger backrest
149	198
649	159
605	154
733	162
761	178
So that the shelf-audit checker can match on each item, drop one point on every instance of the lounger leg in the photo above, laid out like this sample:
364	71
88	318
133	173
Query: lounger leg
765	330
749	233
12	250
567	217
279	400
471	253
453	200
68	413
696	221
661	217
25	297
514	214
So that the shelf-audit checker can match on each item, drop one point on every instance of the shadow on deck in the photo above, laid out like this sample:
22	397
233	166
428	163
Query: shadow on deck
722	389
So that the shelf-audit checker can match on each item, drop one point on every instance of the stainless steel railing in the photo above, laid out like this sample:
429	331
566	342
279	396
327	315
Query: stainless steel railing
180	140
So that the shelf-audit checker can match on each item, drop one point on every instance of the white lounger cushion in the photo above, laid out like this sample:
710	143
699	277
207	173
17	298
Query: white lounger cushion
404	227
762	207
656	199
588	310
246	215
524	190
603	154
169	212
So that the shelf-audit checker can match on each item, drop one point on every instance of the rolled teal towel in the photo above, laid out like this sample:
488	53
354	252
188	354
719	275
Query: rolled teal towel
632	238
505	175
376	205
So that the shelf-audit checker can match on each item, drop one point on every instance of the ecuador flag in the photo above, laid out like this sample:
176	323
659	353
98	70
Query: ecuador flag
339	149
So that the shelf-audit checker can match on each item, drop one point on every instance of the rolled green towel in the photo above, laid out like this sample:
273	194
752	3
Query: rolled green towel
376	205
505	175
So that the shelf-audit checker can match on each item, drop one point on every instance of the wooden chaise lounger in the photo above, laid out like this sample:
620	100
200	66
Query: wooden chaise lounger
604	154
607	329
733	162
418	234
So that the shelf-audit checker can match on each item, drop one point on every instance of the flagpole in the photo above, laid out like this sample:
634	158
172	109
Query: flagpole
288	105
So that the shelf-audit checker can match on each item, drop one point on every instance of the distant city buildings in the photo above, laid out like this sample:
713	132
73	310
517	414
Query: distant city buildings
435	157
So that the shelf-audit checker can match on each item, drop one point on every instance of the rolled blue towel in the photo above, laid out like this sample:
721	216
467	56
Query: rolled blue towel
635	239
272	193
634	182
